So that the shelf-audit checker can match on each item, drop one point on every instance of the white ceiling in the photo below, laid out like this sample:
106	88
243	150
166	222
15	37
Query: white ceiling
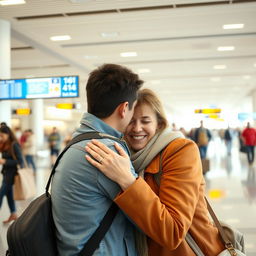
176	40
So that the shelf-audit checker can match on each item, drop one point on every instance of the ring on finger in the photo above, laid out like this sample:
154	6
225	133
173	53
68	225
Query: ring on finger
100	161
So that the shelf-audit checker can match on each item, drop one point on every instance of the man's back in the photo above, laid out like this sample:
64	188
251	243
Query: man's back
249	135
81	196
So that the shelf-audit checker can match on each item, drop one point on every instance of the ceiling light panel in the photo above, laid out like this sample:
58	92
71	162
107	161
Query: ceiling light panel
233	26
225	48
143	70
60	38
219	66
128	54
12	2
109	34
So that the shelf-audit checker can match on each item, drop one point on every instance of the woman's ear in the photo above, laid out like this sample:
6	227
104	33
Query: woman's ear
159	125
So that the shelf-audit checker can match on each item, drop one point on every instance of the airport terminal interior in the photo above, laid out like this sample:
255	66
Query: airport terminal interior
199	56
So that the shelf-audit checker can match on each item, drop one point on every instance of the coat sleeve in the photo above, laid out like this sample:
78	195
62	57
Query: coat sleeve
166	218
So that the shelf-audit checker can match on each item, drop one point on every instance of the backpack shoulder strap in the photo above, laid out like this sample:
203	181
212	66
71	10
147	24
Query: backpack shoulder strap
93	243
78	138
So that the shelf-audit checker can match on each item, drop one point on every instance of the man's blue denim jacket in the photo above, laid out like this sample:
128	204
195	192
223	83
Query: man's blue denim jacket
81	196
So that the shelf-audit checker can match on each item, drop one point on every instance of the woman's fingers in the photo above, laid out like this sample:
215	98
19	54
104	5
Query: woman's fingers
102	147
95	152
93	162
120	150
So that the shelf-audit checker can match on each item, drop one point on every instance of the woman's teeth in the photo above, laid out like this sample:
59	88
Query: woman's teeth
138	137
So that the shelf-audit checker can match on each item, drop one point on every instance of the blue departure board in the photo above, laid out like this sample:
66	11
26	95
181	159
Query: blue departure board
39	88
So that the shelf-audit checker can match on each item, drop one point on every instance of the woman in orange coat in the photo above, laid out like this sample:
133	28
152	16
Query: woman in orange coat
168	211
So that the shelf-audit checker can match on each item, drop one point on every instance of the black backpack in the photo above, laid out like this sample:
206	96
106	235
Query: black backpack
33	233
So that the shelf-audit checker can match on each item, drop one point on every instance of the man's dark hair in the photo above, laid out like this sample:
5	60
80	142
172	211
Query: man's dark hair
110	85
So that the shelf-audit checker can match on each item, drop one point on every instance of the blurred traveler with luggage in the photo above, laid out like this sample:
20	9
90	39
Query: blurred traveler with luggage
249	139
29	149
11	157
202	138
228	140
54	141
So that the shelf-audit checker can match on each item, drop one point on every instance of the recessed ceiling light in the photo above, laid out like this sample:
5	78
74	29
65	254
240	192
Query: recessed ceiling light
143	70
12	2
254	65
90	57
233	26
246	77
109	34
128	54
226	48
60	38
219	66
215	79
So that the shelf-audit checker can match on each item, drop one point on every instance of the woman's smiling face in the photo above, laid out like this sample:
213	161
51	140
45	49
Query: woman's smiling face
142	127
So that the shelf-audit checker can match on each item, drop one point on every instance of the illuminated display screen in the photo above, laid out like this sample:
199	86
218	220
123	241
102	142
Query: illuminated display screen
37	88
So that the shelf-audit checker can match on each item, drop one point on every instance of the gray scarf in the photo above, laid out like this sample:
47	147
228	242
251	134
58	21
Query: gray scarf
141	160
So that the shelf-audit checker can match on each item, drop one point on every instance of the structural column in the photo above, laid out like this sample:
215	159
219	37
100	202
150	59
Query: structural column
254	107
5	67
36	121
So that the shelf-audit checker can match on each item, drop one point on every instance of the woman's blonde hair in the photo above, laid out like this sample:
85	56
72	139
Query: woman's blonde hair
147	96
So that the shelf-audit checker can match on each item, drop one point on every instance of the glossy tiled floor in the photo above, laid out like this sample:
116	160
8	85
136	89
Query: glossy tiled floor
231	189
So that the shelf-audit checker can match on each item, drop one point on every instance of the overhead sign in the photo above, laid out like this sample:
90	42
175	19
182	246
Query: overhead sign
39	88
214	116
244	116
65	105
22	111
207	111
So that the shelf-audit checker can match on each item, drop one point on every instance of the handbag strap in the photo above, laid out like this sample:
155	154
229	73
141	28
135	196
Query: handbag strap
228	244
93	243
193	245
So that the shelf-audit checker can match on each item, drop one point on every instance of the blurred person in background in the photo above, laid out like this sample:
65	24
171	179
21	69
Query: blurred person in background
29	149
228	140
23	138
184	132
202	138
164	210
17	132
54	140
11	157
174	127
249	139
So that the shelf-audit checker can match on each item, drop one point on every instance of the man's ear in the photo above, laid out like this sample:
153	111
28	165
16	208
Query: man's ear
122	109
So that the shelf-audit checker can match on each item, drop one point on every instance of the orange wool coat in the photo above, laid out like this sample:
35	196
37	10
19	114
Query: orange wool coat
166	213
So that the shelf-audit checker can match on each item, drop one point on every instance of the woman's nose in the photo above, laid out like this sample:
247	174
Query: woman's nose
137	127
